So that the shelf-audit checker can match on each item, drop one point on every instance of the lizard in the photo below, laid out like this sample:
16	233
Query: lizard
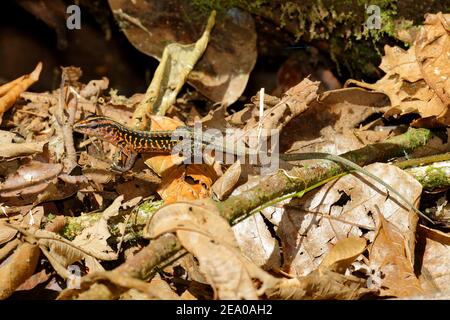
132	142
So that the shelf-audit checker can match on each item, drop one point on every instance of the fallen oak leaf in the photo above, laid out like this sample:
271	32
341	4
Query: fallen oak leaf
432	47
435	267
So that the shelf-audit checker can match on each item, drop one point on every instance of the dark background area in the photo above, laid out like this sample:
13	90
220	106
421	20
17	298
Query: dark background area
25	40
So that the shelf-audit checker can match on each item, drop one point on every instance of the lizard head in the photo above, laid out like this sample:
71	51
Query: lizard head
101	127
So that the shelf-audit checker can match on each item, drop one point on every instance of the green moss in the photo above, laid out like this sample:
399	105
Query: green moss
135	224
434	177
417	137
341	22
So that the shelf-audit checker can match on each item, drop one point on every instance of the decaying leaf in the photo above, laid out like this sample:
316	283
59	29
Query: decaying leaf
331	123
10	150
320	285
187	182
94	238
432	49
177	62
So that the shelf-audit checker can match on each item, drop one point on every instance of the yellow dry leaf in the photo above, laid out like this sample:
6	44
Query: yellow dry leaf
343	253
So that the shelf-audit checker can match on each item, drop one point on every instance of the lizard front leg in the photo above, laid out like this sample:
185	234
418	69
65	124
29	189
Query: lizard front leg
120	164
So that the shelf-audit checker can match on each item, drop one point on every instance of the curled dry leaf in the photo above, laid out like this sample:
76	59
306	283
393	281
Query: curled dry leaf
187	182
225	184
310	226
343	253
390	258
210	239
18	269
279	112
320	285
176	63
35	182
11	150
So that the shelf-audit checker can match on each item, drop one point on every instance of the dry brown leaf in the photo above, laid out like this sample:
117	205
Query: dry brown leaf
6	234
319	285
10	150
343	253
35	182
225	184
94	238
310	226
17	270
418	80
294	102
401	62
176	64
432	50
158	287
390	259
330	123
210	239
257	243
435	269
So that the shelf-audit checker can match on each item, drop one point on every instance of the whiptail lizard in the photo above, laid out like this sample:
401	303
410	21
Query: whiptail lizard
132	142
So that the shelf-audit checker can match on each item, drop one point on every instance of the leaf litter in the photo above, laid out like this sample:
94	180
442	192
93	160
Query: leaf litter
346	239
